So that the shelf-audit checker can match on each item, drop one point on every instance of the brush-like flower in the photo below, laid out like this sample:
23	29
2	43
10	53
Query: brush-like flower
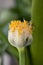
20	33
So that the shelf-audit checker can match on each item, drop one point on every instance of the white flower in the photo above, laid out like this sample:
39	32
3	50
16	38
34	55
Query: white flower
19	35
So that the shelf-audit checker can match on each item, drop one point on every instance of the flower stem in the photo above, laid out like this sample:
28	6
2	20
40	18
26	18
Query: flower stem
22	56
37	19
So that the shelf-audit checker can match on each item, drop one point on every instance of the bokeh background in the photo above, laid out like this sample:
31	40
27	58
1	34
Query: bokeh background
11	10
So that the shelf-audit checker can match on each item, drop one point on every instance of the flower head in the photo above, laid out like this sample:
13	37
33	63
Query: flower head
20	33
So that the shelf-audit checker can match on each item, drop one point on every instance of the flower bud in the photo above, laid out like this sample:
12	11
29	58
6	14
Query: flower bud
20	33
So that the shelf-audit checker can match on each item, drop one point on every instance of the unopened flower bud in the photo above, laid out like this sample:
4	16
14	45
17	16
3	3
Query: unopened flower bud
20	33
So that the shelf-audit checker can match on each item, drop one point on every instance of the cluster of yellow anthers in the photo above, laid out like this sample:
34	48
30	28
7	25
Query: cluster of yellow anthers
20	26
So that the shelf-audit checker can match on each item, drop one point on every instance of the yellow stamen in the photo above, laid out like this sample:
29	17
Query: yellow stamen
20	26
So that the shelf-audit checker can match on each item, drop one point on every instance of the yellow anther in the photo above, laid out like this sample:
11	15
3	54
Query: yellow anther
20	26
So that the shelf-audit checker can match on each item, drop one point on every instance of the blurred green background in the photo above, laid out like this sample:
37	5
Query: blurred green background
19	10
11	10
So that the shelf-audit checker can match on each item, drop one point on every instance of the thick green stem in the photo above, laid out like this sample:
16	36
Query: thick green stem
22	56
37	19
